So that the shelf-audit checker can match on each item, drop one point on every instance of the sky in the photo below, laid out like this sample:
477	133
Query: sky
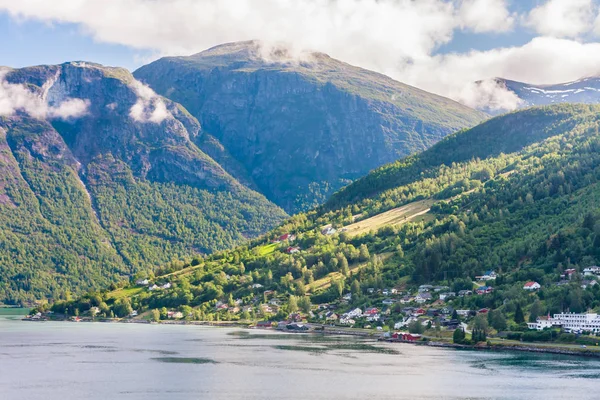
442	46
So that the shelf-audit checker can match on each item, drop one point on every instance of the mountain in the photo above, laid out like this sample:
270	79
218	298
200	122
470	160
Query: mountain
586	91
99	177
300	127
518	195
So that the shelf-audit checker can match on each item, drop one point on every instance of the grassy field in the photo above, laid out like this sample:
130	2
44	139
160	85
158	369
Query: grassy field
127	292
408	213
267	249
13	311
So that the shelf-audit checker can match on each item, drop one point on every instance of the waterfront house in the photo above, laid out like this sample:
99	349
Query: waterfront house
406	337
264	324
541	323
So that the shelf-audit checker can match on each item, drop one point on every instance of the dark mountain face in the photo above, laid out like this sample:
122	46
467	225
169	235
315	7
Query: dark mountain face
100	177
300	129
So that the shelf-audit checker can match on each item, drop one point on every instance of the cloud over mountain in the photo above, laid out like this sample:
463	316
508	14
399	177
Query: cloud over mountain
400	38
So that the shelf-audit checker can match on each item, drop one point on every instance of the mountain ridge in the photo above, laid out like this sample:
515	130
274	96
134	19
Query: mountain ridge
299	110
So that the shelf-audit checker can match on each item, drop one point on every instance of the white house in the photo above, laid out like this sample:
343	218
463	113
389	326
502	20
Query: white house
590	271
532	286
356	313
541	323
448	295
142	282
422	298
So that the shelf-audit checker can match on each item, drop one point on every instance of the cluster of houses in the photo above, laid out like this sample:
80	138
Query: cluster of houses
146	282
569	322
157	287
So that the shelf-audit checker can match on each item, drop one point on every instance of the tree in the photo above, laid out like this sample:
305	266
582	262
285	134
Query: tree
363	253
399	251
342	263
338	287
454	315
535	311
480	322
519	317
305	304
416	327
355	288
292	304
155	315
497	320
459	336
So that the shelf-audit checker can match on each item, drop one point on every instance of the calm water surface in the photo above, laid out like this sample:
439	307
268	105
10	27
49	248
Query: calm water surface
53	361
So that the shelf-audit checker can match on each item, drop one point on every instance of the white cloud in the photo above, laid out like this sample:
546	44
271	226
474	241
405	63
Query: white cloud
71	108
395	37
541	61
562	18
18	98
149	107
486	15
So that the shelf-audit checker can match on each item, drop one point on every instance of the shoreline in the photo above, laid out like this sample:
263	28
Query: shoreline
525	347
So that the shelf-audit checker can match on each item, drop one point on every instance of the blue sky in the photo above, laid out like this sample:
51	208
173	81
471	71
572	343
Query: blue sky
32	42
441	46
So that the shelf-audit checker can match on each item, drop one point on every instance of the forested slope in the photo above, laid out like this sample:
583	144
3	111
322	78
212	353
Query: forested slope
528	210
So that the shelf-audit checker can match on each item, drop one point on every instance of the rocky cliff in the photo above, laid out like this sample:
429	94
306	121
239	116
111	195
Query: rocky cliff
299	128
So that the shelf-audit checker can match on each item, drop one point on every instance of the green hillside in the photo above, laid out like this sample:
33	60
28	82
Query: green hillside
518	195
88	201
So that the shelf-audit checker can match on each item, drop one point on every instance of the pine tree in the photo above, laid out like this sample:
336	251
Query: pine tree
519	317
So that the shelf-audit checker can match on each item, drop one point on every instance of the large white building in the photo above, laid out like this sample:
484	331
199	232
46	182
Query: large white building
570	322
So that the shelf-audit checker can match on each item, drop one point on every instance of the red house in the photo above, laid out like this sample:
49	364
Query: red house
406	337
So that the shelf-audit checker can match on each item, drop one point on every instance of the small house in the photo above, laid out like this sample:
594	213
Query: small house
532	286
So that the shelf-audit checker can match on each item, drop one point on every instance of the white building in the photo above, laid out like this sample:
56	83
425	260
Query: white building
570	322
541	323
590	271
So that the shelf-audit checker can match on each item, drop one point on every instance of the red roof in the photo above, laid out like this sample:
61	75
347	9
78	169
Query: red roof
530	284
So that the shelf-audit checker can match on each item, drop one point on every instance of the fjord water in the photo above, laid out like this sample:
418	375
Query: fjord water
65	361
